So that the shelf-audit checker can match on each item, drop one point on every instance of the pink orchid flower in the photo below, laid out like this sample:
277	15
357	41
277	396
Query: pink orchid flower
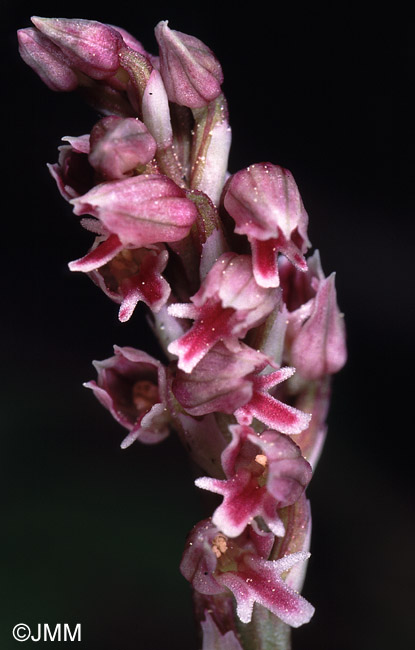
73	173
264	473
213	563
127	275
229	381
228	304
265	203
140	210
132	386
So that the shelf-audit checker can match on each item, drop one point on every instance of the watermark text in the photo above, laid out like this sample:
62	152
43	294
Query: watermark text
46	632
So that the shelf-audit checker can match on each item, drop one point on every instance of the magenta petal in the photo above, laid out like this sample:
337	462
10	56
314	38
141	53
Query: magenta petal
131	298
264	382
264	262
270	514
154	289
260	581
273	414
73	174
128	440
233	450
293	253
99	256
211	327
242	501
288	472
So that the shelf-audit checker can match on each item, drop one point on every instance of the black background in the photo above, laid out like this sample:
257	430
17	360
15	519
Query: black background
92	534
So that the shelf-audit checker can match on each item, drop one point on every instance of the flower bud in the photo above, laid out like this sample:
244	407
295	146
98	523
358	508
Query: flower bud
47	60
90	46
119	145
191	73
320	346
316	335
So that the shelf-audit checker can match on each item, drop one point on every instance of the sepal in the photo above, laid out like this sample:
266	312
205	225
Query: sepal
141	210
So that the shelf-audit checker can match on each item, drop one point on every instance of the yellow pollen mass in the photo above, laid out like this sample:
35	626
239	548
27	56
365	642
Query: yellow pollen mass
219	545
261	459
144	395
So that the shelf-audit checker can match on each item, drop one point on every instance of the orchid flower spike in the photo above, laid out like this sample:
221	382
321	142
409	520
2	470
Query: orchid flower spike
249	327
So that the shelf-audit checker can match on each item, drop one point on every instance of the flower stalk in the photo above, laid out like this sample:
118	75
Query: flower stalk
245	317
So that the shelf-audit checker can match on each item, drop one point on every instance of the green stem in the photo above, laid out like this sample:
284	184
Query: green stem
264	632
